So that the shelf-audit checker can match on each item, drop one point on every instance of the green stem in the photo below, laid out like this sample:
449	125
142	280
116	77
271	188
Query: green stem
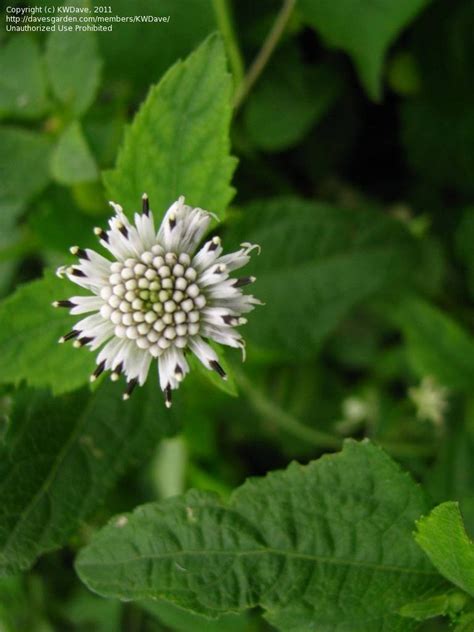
284	420
265	52
318	438
226	28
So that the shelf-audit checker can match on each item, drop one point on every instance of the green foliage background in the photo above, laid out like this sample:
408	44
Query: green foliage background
328	485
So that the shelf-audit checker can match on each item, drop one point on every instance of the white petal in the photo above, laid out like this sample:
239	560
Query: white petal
101	335
207	254
172	368
213	275
166	370
203	351
146	229
223	335
85	304
96	262
183	227
133	360
225	289
242	303
89	324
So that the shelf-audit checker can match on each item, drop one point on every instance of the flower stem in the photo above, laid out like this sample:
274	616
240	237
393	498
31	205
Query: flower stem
265	52
226	28
284	420
318	438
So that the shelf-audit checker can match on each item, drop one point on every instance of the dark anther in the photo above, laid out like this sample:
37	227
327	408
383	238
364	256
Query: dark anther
99	369
229	320
218	369
80	253
124	231
145	204
78	273
172	222
82	342
244	281
70	335
64	304
118	369
168	401
213	245
130	388
101	234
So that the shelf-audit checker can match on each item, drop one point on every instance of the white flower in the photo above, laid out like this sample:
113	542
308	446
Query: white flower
430	399
158	298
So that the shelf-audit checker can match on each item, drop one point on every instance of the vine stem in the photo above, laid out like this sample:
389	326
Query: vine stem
318	438
226	28
265	52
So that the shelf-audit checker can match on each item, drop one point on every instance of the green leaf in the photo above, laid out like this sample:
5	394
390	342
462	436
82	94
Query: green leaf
437	345
61	456
29	331
178	143
364	29
72	161
24	168
447	604
443	538
465	623
74	68
322	546
180	620
426	609
317	262
22	81
301	95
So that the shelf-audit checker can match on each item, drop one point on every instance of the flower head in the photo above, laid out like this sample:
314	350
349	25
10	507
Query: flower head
158	298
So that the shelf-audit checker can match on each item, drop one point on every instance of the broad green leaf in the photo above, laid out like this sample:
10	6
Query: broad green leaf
22	81
24	168
58	224
317	262
74	68
437	345
323	546
301	95
61	456
443	538
179	620
29	331
72	161
364	29
178	143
